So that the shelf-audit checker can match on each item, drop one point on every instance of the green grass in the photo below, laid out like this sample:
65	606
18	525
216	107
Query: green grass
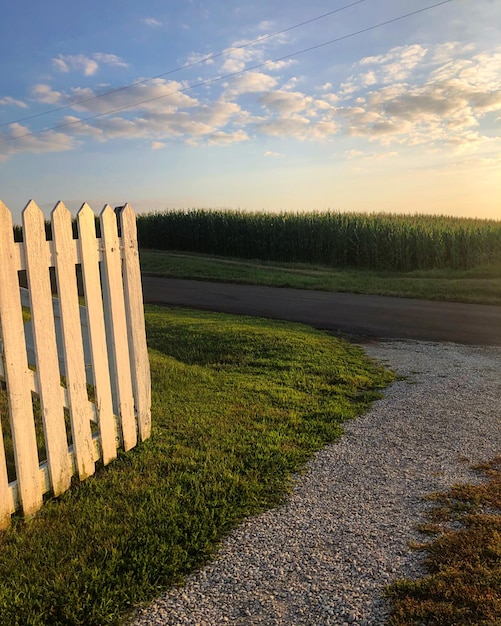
238	404
463	583
477	285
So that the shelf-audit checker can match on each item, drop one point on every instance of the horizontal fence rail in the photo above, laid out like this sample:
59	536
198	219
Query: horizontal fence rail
74	370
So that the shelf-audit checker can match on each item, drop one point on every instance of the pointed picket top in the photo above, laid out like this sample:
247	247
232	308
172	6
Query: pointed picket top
61	222
108	217
85	210
4	210
32	208
128	213
86	220
107	210
61	211
5	217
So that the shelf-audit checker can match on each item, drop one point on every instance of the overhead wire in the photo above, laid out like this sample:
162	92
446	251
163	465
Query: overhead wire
180	68
229	75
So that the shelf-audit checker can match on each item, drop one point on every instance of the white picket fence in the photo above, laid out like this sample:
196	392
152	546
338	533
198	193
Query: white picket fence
100	347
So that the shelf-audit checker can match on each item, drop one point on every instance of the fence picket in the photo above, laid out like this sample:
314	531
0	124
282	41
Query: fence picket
103	343
140	367
37	257
80	414
117	324
89	256
16	375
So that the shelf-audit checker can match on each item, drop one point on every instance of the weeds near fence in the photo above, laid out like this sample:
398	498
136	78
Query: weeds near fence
369	241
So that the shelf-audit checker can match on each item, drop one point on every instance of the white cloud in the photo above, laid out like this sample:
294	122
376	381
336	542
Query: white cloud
441	97
88	66
279	65
295	126
17	138
79	62
266	25
8	101
109	59
286	102
223	138
250	82
275	155
196	58
157	95
151	21
396	65
434	105
45	94
237	58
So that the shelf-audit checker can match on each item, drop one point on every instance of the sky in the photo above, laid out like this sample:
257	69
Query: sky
262	106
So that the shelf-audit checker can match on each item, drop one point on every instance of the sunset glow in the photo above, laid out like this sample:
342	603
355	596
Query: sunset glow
380	105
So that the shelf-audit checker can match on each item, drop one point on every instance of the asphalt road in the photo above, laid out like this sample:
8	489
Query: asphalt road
350	314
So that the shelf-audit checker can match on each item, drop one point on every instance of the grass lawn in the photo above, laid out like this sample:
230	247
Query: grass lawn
238	405
478	285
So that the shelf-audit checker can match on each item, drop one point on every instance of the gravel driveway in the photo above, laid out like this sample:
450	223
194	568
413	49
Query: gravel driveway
324	557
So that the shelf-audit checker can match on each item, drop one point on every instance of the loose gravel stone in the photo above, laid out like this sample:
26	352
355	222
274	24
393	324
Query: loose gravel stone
325	556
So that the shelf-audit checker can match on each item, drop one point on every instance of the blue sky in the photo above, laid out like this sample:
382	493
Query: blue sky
404	117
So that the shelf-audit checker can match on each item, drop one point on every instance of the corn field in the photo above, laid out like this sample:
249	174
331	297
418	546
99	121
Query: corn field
372	241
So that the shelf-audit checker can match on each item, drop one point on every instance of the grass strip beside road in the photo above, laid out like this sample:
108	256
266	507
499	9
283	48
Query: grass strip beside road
238	405
481	285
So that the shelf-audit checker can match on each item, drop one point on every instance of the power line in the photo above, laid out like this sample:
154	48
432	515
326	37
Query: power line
230	75
183	67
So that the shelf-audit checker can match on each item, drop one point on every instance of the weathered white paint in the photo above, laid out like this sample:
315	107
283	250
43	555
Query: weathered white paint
80	416
15	374
37	257
89	257
116	325
103	343
139	363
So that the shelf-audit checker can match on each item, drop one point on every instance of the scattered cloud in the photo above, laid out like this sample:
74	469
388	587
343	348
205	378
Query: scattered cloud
16	138
294	126
109	59
275	155
87	65
45	94
279	65
444	104
223	138
237	58
79	62
266	26
151	21
250	82
286	102
445	96
8	101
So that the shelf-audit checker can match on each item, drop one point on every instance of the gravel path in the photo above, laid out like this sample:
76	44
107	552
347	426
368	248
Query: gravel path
324	557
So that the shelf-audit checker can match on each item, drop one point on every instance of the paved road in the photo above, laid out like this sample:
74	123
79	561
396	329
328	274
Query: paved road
352	314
